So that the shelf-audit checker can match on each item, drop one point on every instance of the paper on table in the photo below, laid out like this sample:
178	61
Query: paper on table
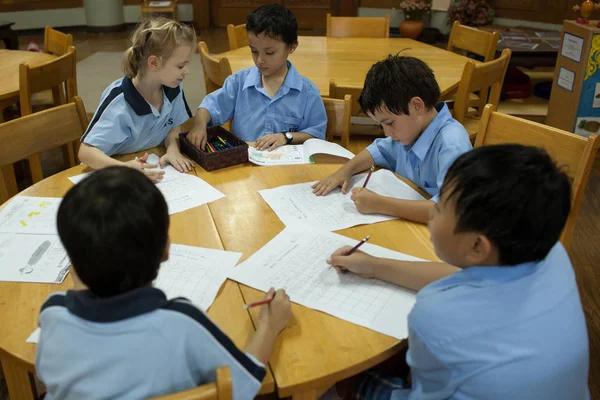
181	191
78	178
295	261
297	205
195	273
32	258
33	215
297	154
35	336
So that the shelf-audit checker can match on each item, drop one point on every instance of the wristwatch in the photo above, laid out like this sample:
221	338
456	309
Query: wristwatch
288	137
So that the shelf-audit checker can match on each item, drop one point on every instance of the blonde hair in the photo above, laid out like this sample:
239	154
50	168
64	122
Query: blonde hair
155	37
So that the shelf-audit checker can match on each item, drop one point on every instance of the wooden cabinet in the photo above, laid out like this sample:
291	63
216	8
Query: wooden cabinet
552	11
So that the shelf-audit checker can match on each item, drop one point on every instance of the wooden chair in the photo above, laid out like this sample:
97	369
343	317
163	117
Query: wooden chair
472	40
485	78
32	134
574	153
56	42
60	77
339	92
338	119
222	389
237	36
147	9
215	70
359	27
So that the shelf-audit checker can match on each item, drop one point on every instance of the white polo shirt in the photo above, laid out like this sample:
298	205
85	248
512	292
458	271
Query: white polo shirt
126	123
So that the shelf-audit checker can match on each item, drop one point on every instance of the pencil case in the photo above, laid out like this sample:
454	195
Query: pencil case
238	154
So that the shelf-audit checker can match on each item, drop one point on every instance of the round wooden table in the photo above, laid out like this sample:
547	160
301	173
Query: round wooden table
348	60
9	70
313	352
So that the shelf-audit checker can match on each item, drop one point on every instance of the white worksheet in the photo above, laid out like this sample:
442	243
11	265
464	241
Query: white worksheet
181	191
32	215
35	336
195	273
297	153
32	258
295	261
297	205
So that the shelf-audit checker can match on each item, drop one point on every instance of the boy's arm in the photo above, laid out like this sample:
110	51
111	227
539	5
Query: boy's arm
368	202
413	275
362	161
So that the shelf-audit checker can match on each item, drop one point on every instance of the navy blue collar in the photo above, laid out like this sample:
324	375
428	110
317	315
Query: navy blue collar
137	101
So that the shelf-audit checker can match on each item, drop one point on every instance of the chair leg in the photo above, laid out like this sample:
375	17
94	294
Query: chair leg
68	155
9	182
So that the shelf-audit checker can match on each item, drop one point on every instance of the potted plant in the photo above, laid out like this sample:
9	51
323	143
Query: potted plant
471	12
413	11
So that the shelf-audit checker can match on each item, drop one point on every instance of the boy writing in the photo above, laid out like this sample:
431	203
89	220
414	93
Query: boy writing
270	104
422	139
500	317
121	338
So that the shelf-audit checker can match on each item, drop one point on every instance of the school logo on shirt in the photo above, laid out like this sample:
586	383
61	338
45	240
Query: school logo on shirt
169	122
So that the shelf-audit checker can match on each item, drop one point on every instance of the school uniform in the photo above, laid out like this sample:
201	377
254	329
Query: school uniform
497	333
135	345
296	107
427	160
126	123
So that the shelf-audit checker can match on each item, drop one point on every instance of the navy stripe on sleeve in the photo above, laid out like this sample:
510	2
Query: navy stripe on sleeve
111	96
191	311
187	107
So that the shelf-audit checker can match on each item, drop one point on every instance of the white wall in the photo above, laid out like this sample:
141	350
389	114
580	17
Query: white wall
76	16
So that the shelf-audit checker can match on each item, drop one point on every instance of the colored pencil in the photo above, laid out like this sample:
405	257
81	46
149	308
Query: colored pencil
352	250
258	303
369	176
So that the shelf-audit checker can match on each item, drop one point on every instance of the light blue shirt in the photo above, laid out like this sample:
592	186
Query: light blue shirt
426	161
296	107
135	345
499	333
126	123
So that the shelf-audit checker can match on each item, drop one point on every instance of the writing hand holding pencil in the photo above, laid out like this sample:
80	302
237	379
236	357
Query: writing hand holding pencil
351	259
275	310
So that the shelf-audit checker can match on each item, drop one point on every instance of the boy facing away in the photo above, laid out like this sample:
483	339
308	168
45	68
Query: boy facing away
122	338
270	104
423	139
500	317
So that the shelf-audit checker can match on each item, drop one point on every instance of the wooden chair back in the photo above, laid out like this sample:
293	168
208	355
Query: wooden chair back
60	77
237	36
485	78
215	70
359	27
41	131
338	119
339	92
222	389
473	40
56	42
574	153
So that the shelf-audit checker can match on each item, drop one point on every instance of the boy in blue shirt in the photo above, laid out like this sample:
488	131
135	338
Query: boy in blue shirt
422	139
121	338
270	104
500	318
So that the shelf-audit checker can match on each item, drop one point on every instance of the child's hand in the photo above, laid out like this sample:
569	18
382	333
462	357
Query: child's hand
197	137
278	313
150	170
177	160
324	186
366	201
270	141
358	262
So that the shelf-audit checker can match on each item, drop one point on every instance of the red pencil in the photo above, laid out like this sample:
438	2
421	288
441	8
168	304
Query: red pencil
352	250
369	176
258	303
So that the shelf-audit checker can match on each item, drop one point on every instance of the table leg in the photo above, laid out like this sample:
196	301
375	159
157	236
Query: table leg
18	380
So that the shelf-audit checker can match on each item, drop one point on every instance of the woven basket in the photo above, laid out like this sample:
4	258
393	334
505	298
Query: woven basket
220	159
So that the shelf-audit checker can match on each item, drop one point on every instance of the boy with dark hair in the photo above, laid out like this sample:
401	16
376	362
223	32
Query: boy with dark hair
500	317
422	140
270	104
122	338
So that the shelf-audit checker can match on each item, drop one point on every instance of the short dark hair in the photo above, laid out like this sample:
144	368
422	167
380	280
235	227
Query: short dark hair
514	195
275	21
394	81
114	226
